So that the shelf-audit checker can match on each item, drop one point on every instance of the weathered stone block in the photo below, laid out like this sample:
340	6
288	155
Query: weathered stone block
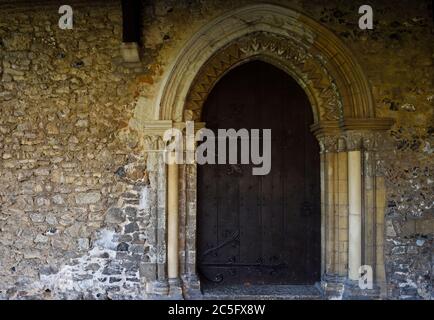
137	249
41	239
58	199
17	41
87	198
122	246
83	244
37	217
115	216
131	227
48	270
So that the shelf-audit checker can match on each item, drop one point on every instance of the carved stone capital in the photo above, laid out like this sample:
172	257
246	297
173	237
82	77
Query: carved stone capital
153	143
372	141
332	143
366	140
354	140
153	133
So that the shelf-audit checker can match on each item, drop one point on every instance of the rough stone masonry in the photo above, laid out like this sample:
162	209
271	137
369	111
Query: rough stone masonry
77	202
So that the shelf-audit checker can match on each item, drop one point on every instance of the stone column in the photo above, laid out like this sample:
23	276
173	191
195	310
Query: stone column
352	204
172	221
375	207
158	230
334	214
155	270
173	227
190	279
355	214
342	210
355	207
328	223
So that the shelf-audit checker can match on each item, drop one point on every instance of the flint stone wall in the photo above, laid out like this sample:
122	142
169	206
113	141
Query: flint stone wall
78	194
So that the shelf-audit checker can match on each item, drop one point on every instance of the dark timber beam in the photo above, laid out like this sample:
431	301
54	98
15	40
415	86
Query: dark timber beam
131	30
432	9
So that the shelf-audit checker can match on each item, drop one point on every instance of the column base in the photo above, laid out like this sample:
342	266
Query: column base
160	288
352	291
333	287
191	287
175	289
342	288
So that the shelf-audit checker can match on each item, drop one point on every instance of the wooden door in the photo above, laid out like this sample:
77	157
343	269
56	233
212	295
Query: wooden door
261	229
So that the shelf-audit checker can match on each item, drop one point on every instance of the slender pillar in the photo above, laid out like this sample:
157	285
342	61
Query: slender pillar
172	222
355	213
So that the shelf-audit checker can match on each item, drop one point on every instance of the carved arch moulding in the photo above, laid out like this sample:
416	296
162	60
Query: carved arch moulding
293	58
328	71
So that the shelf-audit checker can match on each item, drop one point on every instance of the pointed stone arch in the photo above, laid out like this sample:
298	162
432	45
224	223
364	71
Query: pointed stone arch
279	51
323	65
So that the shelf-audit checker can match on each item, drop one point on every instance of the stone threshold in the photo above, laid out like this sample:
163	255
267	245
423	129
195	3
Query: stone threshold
263	292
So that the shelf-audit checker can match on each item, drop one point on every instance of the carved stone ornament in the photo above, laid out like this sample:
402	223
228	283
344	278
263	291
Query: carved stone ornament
296	58
332	143
354	140
153	143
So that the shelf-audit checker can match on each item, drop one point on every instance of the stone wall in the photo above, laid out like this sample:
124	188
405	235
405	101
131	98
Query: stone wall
78	194
72	172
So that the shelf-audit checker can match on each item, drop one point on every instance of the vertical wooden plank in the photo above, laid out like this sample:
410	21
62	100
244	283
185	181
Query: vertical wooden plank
277	216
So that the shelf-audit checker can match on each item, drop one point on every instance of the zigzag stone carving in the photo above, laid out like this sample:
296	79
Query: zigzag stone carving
296	58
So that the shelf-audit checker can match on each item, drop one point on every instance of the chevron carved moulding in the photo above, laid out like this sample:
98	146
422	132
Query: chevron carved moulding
296	58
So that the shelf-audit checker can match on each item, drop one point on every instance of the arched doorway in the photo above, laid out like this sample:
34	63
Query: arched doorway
345	125
259	230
